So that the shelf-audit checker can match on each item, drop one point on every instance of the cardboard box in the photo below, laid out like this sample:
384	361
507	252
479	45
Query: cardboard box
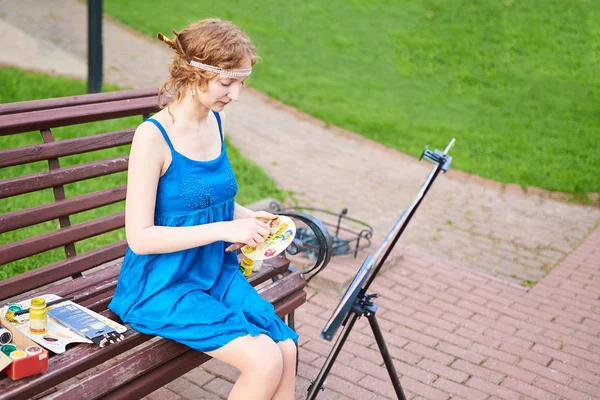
26	366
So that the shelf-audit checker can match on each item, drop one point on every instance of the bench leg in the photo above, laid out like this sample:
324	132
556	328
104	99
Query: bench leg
291	322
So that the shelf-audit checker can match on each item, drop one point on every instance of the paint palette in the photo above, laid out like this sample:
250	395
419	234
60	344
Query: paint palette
283	231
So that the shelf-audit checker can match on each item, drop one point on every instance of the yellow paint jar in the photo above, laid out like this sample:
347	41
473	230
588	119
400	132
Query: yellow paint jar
38	316
15	355
246	267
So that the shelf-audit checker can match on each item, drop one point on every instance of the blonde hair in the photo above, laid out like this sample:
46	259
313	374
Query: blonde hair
209	41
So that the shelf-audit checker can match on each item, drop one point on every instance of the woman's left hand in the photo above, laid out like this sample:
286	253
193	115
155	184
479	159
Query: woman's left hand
266	216
262	215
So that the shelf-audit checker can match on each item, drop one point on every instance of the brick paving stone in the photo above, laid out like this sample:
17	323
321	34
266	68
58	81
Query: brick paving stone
578	384
163	394
443	371
478	371
199	376
532	337
403	355
324	349
448	337
545	371
416	336
591	356
468	324
566	339
384	388
510	370
220	369
462	390
509	340
442	324
525	354
219	386
458	352
481	340
188	390
560	389
527	389
487	387
349	390
430	353
427	391
340	370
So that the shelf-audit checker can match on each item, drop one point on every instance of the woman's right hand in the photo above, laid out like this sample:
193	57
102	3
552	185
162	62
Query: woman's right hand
250	231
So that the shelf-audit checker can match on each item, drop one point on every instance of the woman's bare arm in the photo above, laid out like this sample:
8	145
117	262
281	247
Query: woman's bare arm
147	156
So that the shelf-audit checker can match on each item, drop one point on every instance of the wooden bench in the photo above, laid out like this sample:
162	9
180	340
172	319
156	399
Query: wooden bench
139	364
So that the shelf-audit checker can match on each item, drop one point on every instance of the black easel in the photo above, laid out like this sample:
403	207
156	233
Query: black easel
357	303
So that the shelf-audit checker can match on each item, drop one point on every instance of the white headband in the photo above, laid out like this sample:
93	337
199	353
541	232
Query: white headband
221	71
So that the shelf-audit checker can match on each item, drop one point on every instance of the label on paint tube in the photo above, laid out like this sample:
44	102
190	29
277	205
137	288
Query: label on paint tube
5	336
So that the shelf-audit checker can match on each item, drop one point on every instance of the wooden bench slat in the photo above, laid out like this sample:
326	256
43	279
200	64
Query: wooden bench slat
46	212
62	269
278	290
72	115
290	303
48	104
158	377
48	179
24	248
122	372
62	148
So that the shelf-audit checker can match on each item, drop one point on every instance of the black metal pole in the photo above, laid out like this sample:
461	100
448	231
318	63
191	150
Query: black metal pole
94	46
317	384
387	359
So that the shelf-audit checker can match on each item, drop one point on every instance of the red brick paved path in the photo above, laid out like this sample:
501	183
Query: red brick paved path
454	333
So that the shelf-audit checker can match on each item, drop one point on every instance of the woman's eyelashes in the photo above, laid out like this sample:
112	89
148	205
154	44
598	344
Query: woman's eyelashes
227	84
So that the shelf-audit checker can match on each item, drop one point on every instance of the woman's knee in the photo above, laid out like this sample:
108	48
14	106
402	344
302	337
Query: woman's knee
265	359
289	351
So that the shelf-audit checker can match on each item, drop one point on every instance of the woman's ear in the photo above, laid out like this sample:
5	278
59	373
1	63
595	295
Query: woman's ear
202	85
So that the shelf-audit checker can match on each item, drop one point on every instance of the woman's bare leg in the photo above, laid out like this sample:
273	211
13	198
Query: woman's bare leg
260	362
287	385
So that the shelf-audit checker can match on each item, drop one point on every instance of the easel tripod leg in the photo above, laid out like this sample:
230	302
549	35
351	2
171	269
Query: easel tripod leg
317	384
387	359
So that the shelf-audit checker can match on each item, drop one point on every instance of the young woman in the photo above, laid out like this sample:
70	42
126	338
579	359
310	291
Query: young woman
177	281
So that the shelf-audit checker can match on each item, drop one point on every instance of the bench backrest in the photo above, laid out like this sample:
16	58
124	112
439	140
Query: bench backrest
49	181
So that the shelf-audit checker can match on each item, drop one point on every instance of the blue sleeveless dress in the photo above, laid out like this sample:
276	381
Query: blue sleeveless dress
197	296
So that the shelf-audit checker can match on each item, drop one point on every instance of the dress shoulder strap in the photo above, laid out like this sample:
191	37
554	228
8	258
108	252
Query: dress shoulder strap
218	117
164	133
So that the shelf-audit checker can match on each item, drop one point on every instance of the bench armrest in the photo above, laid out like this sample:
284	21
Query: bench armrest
323	239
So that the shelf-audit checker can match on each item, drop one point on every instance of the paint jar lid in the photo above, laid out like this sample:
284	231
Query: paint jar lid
247	262
8	348
38	302
15	355
32	350
14	307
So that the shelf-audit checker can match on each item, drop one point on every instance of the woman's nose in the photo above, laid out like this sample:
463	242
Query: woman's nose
234	93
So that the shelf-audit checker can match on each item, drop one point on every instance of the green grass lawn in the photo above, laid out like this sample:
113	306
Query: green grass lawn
17	85
516	82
